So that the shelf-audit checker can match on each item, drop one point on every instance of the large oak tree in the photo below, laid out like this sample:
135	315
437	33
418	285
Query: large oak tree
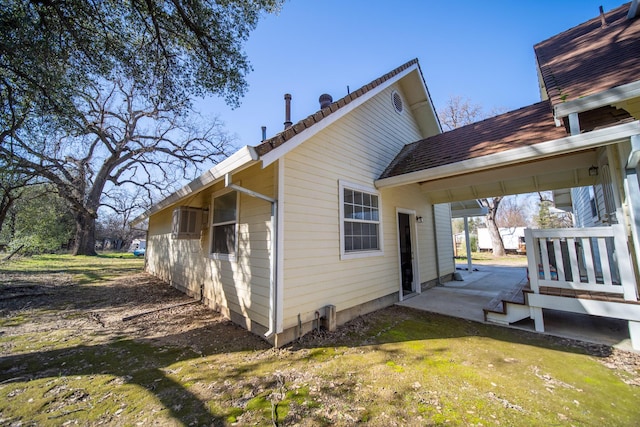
82	81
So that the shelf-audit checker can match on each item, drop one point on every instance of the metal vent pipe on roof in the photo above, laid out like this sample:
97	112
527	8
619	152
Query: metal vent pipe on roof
287	111
264	133
603	20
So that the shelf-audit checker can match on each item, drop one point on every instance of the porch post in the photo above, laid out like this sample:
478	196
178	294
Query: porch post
632	187
467	243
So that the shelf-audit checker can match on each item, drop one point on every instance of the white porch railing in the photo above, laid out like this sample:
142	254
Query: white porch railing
594	259
572	264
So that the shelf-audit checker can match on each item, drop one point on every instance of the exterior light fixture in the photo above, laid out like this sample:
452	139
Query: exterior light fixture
593	171
420	220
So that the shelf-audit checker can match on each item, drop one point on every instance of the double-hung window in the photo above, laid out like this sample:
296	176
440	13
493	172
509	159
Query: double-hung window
360	221
224	226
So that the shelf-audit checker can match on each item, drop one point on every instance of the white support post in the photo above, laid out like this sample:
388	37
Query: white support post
627	276
574	124
632	188
532	258
467	242
536	315
634	334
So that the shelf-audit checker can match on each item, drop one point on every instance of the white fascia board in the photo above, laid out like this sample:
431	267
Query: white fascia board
590	102
239	160
298	139
555	147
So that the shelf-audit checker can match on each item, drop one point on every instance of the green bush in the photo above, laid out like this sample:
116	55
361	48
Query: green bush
33	244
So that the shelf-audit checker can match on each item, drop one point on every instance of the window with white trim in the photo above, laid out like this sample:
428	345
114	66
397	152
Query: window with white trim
360	220
224	231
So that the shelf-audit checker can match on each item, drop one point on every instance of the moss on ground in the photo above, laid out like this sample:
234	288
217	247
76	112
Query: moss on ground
393	367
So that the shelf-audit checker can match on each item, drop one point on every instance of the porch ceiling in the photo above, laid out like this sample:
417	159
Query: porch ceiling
565	171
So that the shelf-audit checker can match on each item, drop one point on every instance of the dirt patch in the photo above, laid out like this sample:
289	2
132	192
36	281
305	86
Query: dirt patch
137	306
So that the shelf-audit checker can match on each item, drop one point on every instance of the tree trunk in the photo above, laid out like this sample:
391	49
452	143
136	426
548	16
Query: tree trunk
494	232
85	243
496	238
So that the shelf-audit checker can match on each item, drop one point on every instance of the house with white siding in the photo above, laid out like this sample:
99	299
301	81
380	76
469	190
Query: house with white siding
292	233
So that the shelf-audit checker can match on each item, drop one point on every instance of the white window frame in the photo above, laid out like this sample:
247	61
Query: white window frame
220	256
345	255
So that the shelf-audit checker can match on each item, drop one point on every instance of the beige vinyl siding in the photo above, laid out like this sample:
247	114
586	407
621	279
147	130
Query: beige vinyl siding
410	197
355	149
240	286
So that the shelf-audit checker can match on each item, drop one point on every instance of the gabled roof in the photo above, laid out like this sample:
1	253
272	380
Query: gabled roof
589	58
269	150
524	127
336	108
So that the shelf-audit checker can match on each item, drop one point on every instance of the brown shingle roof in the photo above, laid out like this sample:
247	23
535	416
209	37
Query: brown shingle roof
589	59
523	127
282	137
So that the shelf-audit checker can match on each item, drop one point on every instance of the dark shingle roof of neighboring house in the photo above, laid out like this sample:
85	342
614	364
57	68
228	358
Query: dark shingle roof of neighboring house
590	58
524	127
282	137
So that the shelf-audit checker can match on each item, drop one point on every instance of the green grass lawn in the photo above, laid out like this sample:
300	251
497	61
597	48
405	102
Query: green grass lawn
80	269
393	367
487	258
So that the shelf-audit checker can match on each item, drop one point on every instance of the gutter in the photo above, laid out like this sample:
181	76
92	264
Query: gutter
228	183
239	160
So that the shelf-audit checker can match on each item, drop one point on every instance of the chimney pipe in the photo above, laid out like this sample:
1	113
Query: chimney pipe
287	111
264	133
325	100
603	21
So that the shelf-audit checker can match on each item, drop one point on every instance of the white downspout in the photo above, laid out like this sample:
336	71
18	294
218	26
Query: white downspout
274	240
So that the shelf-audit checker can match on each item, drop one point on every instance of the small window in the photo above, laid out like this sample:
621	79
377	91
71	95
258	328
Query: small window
360	221
186	223
224	226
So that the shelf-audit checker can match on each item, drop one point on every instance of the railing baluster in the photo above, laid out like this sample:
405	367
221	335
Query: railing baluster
588	260
573	257
544	253
604	260
557	251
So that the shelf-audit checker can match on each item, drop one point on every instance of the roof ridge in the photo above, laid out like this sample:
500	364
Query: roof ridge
594	20
300	126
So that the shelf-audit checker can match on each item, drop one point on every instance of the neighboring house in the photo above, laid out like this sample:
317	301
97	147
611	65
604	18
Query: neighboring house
292	233
512	238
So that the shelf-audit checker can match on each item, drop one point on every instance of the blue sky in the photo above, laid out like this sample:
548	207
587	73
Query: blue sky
481	50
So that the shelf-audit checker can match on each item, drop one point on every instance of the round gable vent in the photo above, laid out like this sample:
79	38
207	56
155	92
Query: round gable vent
397	101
